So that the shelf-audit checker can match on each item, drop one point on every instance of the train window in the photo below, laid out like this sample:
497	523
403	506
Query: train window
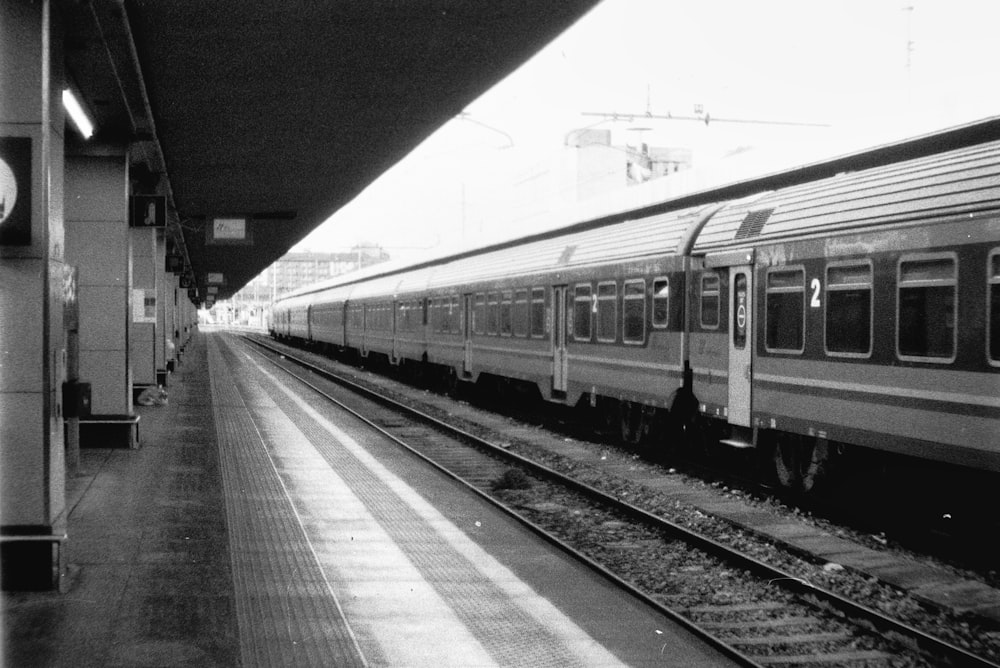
710	300
785	310
538	312
454	316
994	307
435	319
505	314
493	317
634	308
581	313
607	311
848	317
479	314
661	302
521	313
927	304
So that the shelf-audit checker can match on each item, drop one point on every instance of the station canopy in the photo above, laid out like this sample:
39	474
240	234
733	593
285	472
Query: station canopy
257	120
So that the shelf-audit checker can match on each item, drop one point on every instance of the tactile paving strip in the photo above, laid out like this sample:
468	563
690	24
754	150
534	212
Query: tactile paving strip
286	613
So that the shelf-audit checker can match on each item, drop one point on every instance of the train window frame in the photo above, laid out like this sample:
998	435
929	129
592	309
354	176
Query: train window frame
537	314
433	306
635	296
832	286
479	314
610	295
506	313
665	300
772	293
521	313
993	306
493	314
707	293
583	304
923	283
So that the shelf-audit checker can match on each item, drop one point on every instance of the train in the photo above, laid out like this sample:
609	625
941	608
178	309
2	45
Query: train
843	307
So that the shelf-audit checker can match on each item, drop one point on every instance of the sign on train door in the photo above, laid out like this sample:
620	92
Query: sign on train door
740	343
467	332
560	361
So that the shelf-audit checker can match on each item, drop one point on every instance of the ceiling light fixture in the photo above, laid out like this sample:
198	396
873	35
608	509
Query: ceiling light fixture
77	114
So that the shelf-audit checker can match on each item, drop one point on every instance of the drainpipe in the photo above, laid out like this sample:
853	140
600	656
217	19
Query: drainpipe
685	247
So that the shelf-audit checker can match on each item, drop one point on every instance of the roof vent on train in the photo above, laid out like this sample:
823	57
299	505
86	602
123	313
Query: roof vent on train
567	254
753	224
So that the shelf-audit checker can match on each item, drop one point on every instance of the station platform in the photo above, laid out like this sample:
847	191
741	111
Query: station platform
255	527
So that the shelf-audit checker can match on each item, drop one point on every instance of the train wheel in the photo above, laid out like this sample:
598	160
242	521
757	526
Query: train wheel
800	462
787	460
449	382
628	422
819	460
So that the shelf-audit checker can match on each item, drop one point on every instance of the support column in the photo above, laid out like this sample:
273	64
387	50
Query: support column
142	343
169	299
162	335
97	243
32	339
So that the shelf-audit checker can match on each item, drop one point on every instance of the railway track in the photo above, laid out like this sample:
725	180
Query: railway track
765	614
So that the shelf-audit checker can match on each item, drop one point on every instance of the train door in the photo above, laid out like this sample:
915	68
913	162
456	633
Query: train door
467	332
560	361
740	343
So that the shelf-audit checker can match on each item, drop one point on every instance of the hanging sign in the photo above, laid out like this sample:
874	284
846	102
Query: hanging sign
234	230
148	211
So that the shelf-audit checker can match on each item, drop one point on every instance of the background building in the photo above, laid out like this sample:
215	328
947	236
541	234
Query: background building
293	271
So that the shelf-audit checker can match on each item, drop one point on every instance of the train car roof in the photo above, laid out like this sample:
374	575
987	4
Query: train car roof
593	240
954	183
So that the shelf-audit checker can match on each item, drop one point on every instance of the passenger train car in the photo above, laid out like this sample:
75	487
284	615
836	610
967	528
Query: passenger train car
849	305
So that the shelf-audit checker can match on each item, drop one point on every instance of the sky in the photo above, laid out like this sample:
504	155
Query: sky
868	71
